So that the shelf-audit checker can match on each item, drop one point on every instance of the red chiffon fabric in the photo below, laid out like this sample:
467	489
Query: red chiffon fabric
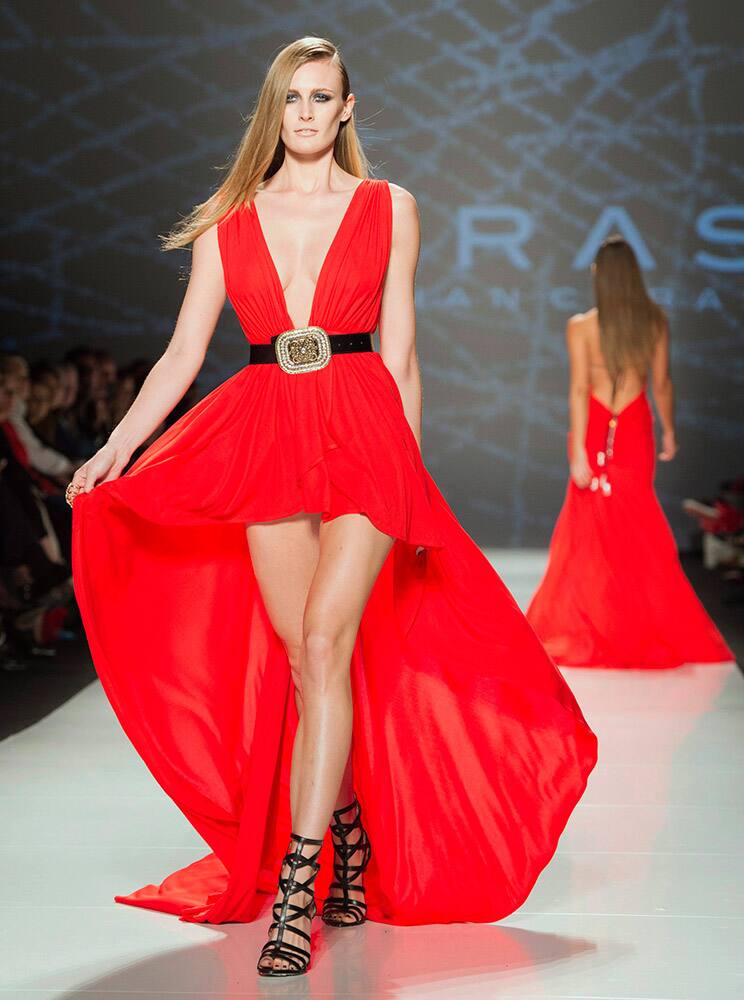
614	593
469	749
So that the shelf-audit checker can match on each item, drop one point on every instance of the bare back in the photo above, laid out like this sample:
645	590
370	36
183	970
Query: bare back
589	376
629	385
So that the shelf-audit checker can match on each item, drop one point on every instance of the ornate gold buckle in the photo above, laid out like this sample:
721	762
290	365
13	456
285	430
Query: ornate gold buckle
306	349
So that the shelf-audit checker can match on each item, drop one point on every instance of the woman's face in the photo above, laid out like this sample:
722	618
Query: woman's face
70	382
314	108
97	383
18	380
108	367
53	382
39	401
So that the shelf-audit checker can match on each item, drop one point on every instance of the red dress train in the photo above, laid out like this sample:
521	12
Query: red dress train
614	593
469	749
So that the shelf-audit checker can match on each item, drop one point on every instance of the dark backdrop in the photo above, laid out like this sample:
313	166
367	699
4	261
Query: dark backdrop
527	131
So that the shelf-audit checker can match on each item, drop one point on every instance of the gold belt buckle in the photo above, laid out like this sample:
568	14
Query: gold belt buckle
306	349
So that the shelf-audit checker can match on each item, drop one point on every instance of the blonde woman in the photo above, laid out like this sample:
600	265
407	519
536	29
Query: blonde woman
290	623
614	593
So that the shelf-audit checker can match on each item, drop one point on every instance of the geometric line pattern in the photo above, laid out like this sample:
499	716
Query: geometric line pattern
551	110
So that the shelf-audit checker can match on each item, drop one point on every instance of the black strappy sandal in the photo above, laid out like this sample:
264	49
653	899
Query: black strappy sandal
337	910
285	911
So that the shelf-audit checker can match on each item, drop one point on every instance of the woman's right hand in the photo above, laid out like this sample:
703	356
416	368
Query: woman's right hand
105	465
668	446
581	471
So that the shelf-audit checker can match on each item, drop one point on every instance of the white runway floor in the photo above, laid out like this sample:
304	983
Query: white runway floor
643	899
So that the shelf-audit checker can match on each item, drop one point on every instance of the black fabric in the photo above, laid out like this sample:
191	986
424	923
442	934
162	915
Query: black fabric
341	343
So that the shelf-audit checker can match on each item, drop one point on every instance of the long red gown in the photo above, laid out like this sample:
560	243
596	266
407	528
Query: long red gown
469	749
614	593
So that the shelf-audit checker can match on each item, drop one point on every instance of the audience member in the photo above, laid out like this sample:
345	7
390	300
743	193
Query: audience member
53	417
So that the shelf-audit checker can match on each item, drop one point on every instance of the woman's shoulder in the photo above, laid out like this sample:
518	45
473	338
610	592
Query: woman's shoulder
399	194
583	322
405	215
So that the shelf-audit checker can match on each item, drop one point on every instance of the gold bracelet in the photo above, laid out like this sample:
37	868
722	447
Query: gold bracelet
71	492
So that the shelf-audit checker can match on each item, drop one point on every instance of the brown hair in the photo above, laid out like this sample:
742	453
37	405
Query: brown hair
260	152
630	322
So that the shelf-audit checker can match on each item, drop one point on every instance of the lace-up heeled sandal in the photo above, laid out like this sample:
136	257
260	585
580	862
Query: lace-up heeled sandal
284	912
344	911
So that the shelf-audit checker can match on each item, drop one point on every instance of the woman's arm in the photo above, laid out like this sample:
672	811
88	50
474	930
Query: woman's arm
578	400
173	373
397	323
663	391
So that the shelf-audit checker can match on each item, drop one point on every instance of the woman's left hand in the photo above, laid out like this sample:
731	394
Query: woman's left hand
668	446
581	471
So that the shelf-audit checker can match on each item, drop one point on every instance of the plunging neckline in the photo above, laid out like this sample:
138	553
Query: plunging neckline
275	273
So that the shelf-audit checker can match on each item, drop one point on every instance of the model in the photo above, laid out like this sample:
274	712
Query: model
614	593
290	624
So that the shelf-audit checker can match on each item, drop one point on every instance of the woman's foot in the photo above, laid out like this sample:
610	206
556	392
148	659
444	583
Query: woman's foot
345	904
287	952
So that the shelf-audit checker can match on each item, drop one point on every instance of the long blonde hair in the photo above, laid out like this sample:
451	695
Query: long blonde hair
261	150
630	322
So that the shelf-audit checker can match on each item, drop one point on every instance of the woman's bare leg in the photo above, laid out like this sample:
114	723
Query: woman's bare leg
285	554
352	552
349	553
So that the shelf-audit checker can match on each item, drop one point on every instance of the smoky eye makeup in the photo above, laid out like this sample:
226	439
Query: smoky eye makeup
324	95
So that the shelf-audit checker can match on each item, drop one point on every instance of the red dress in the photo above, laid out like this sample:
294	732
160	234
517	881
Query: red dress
614	593
469	749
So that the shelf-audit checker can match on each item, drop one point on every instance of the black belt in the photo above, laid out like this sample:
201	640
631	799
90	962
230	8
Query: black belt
308	348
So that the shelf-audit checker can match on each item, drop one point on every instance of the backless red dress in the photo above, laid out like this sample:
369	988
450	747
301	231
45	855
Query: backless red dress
469	749
614	593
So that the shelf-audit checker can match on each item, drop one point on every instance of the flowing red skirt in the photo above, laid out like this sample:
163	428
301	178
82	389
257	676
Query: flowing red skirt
469	749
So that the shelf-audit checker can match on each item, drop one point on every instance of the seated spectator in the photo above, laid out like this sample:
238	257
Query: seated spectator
93	405
35	577
23	443
68	437
43	459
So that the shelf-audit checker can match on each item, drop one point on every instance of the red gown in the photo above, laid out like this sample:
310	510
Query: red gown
469	750
614	593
